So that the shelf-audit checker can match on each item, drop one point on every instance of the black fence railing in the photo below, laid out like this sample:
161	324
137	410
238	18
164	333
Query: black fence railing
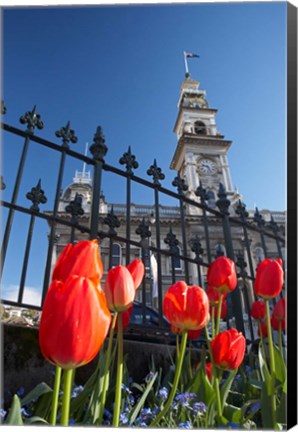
182	236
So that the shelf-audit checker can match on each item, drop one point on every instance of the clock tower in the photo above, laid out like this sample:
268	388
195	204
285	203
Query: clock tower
201	152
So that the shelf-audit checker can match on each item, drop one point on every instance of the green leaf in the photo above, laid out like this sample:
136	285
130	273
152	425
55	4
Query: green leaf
232	413
267	422
35	419
36	393
224	391
203	388
14	416
280	367
281	411
265	371
143	398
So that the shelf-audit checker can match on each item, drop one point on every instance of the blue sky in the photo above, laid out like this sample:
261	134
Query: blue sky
121	67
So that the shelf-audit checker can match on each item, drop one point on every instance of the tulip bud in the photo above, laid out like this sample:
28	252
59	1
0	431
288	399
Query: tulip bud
222	275
228	349
186	307
258	310
269	278
119	289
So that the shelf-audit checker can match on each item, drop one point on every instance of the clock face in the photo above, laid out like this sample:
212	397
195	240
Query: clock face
207	167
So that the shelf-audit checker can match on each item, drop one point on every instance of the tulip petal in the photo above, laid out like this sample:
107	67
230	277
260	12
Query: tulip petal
137	271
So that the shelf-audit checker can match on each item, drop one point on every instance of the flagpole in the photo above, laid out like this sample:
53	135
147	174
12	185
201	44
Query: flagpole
186	64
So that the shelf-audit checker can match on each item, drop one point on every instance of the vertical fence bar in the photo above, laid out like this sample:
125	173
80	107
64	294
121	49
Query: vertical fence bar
144	232
157	175
223	204
241	211
76	210
173	243
113	222
67	135
98	149
130	161
37	197
182	187
201	192
33	120
261	223
196	247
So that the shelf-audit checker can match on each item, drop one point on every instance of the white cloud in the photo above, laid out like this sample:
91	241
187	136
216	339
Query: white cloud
32	295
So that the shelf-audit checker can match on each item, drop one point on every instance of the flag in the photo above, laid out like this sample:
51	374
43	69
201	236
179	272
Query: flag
191	55
153	264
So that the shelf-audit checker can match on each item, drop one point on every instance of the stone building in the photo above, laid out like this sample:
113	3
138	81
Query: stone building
201	160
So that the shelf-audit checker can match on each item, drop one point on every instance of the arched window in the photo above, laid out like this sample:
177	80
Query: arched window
211	198
200	128
116	255
259	252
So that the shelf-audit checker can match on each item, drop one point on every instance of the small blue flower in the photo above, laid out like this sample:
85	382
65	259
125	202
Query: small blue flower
107	413
199	408
163	393
131	400
125	388
233	425
24	412
247	369
76	391
2	413
20	391
146	412
123	418
149	376
155	410
255	407
184	398
186	425
71	422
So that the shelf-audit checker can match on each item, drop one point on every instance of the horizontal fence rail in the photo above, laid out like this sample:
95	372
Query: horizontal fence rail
177	238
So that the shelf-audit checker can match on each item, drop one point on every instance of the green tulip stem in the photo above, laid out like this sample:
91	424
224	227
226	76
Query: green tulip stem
66	396
218	398
117	404
219	313
177	347
106	370
55	396
280	338
179	364
270	340
212	321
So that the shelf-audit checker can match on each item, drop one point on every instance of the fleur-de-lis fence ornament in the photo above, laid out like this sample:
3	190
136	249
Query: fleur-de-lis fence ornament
202	194
129	160
223	203
172	242
180	183
75	208
98	149
36	196
143	229
32	119
196	247
156	173
2	184
3	107
67	135
273	225
241	211
259	218
112	221
240	262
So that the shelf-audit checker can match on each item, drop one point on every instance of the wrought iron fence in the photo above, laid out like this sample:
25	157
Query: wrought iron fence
195	253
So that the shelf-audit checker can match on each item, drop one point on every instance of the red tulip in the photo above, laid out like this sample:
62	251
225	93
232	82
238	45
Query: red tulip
224	310
74	322
82	259
262	329
213	296
228	349
275	323
269	278
137	270
258	310
186	307
119	289
279	310
208	368
222	275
